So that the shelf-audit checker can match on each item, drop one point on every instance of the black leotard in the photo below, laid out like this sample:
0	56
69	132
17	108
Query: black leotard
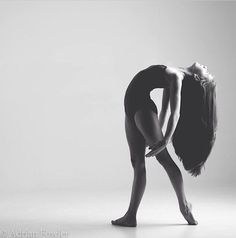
137	94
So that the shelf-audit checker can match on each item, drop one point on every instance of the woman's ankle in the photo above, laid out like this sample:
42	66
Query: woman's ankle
183	204
131	214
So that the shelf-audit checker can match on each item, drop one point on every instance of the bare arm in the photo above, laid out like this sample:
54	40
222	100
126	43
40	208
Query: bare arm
175	98
164	107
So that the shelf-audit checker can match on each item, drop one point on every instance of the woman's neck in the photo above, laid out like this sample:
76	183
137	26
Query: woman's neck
186	70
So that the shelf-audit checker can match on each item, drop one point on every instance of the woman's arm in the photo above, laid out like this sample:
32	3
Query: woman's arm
164	107
175	98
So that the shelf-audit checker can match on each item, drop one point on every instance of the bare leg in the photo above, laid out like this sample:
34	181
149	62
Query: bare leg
176	179
137	153
148	124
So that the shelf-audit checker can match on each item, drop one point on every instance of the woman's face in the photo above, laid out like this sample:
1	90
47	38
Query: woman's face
201	70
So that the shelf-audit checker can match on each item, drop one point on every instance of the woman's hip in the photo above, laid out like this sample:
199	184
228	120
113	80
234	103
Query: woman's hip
132	106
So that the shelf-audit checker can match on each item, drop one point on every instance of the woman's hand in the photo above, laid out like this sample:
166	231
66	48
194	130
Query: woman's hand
157	148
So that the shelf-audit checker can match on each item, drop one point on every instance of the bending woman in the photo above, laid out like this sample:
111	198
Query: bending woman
191	127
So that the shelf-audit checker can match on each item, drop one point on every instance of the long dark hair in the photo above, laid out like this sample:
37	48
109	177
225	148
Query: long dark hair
195	132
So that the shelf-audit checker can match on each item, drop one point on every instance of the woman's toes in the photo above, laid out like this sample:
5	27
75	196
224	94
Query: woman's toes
123	221
187	213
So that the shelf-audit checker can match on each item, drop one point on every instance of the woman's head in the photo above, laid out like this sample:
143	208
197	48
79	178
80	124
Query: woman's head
195	133
201	70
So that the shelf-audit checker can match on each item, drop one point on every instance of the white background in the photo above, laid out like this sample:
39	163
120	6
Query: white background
64	69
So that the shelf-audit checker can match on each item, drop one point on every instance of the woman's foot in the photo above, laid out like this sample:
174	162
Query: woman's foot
187	213
126	220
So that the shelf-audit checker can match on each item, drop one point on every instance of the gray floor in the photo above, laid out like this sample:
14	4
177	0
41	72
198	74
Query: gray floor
87	214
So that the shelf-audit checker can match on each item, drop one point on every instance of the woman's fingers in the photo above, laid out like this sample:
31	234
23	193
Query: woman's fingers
155	145
152	153
155	151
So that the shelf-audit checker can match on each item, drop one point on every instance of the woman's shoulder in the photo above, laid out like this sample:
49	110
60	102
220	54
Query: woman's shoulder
174	73
156	66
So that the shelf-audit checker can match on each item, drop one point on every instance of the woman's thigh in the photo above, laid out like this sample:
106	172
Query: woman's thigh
136	141
147	122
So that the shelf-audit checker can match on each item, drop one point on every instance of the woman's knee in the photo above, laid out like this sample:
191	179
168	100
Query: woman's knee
166	161
163	156
138	163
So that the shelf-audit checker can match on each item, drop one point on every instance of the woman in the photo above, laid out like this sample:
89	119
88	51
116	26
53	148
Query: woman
191	93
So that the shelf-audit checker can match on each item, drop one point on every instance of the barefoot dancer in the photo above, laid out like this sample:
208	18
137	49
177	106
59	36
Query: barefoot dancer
191	127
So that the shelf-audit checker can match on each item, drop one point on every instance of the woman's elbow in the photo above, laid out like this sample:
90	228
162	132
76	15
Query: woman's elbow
175	115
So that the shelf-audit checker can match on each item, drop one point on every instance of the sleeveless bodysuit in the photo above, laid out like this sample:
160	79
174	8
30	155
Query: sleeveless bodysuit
137	95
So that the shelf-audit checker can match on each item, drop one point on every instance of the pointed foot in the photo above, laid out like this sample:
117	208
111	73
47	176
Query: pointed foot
187	213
